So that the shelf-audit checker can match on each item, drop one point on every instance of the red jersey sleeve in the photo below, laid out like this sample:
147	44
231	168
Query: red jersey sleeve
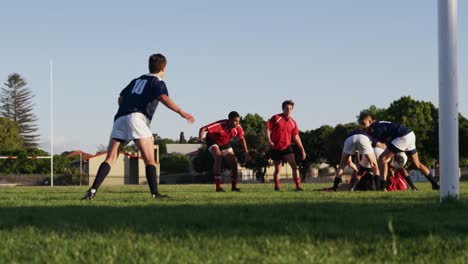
270	123
214	127
295	130
240	132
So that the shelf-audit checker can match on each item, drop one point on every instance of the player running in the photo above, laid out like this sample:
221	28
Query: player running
137	104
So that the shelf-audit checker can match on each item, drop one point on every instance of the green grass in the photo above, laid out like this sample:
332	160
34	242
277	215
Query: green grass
123	225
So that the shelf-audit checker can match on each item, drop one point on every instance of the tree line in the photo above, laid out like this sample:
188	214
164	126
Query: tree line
18	129
325	143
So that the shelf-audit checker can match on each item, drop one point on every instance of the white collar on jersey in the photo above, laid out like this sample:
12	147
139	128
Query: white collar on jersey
152	74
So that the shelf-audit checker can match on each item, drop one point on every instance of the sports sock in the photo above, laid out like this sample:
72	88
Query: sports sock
277	184
298	182
103	170
151	178
383	185
336	183
377	182
233	182
218	182
410	182
354	183
431	179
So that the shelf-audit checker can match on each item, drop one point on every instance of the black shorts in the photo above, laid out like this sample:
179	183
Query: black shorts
209	142
279	154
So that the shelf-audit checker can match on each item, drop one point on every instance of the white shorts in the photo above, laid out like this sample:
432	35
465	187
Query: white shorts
405	143
132	126
224	152
358	142
365	161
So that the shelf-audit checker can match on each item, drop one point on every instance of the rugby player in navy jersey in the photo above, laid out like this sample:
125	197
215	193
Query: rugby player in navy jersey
137	104
360	141
398	138
218	135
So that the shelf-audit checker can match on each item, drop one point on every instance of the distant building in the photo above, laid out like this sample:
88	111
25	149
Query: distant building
184	149
129	168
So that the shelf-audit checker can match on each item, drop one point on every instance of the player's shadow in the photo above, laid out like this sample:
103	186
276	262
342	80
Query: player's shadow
326	220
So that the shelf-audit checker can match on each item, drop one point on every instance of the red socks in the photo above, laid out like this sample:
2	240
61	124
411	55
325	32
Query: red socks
218	182
298	182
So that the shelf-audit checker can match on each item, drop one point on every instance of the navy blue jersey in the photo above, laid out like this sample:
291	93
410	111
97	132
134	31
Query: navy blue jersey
141	95
385	131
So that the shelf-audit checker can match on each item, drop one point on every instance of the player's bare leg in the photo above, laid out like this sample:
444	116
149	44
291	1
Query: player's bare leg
289	158
343	162
384	158
424	170
218	159
231	160
278	164
375	169
407	178
146	147
104	168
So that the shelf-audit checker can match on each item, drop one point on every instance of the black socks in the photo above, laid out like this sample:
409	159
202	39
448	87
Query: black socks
431	179
103	170
151	178
410	183
377	182
335	183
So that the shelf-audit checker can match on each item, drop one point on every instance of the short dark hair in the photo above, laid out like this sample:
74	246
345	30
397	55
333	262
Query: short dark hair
363	115
233	115
156	63
287	102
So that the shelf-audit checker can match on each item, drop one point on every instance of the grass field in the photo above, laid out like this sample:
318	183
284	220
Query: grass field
123	225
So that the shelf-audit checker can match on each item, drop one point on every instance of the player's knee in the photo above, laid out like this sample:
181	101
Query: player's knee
383	159
149	162
111	159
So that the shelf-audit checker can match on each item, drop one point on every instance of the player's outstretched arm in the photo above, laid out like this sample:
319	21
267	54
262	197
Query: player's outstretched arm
169	103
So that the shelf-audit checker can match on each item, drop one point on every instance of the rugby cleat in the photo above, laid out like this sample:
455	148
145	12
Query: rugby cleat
220	190
235	189
89	195
159	196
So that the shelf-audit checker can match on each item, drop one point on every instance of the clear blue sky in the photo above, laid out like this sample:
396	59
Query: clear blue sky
333	58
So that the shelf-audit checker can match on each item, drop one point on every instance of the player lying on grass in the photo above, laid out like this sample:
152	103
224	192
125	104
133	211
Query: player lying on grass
137	104
280	129
218	135
398	138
